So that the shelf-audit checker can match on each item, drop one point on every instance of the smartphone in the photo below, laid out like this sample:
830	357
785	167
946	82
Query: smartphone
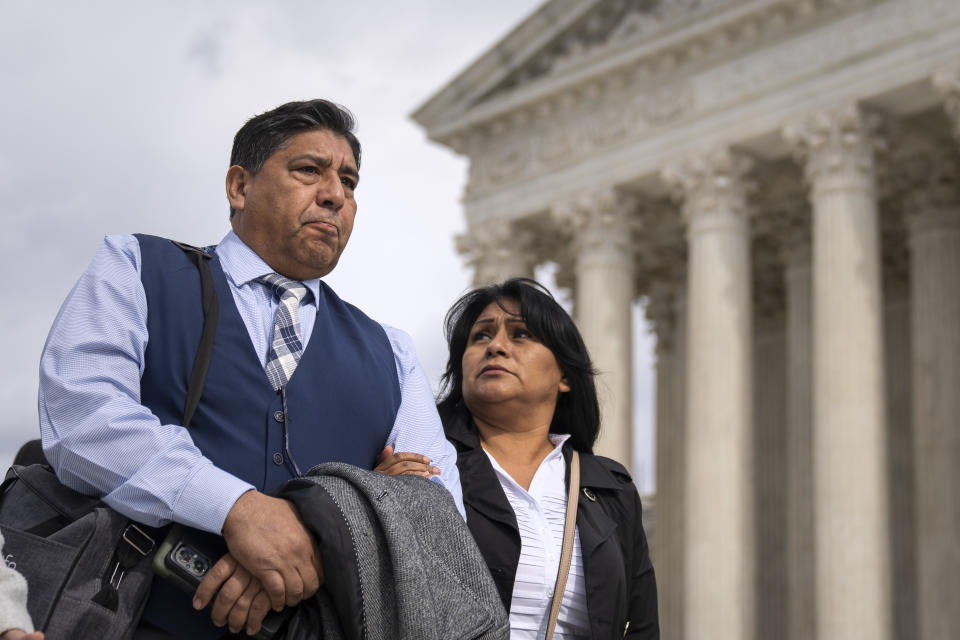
185	556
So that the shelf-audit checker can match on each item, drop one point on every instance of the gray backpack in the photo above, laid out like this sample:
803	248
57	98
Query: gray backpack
88	567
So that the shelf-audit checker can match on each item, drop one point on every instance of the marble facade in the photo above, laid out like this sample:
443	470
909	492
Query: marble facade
777	180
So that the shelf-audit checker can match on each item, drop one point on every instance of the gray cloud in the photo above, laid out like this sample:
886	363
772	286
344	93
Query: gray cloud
207	49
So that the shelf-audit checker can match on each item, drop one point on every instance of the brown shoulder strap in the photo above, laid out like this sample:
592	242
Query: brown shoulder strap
566	554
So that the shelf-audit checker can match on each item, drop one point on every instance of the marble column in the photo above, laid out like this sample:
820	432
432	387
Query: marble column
665	310
719	596
770	465
599	224
934	236
497	251
899	392
678	400
852	538
800	529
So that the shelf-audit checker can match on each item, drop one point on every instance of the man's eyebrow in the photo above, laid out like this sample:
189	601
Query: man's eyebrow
323	161
314	158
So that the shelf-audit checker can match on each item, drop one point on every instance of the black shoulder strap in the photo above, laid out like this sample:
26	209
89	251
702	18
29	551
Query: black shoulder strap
211	312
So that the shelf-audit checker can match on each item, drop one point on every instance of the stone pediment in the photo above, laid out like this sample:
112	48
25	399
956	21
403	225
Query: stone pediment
565	44
606	28
499	65
557	37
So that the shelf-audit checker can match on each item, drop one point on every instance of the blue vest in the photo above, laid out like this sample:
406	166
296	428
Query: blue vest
341	401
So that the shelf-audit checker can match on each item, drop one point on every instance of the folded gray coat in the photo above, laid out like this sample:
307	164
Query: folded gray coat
398	561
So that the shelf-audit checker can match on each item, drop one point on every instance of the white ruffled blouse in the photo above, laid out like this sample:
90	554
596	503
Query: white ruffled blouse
541	512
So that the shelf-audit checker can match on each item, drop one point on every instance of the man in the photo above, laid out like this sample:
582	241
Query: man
297	376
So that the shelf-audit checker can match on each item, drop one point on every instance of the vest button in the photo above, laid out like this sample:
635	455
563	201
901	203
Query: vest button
278	416
277	458
591	496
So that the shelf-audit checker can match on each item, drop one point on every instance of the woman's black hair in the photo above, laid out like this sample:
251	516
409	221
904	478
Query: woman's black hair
577	412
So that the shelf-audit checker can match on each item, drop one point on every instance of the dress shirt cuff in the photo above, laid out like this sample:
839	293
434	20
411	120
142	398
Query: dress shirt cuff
208	497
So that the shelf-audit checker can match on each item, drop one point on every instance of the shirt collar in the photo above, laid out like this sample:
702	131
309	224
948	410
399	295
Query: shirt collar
557	440
242	265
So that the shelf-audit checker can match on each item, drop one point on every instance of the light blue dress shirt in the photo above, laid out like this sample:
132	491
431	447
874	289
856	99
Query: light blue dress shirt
102	441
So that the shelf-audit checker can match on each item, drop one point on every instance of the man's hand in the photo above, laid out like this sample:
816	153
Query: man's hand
241	602
20	634
265	535
413	464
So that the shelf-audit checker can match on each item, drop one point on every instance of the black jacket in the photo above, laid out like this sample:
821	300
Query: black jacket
621	588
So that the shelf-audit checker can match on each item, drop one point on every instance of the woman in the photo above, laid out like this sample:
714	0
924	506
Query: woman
518	396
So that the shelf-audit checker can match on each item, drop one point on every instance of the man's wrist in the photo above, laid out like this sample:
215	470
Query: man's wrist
238	512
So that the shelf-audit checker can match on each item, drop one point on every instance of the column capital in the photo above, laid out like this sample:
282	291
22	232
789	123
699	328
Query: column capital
597	221
489	247
836	145
946	82
713	187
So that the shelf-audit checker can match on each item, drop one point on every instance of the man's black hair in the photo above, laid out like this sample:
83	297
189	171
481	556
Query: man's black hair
578	411
262	135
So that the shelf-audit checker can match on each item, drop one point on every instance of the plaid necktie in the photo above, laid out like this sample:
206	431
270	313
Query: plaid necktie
285	351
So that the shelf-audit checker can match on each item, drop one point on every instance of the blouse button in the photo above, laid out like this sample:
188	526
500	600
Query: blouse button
590	495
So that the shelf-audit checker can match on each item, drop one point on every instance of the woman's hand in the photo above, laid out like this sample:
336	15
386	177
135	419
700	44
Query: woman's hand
20	634
411	464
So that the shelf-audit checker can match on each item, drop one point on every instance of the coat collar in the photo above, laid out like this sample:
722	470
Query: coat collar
460	430
482	491
592	474
463	434
478	480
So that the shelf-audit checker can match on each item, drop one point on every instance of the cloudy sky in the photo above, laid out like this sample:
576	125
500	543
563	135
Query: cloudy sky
118	116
